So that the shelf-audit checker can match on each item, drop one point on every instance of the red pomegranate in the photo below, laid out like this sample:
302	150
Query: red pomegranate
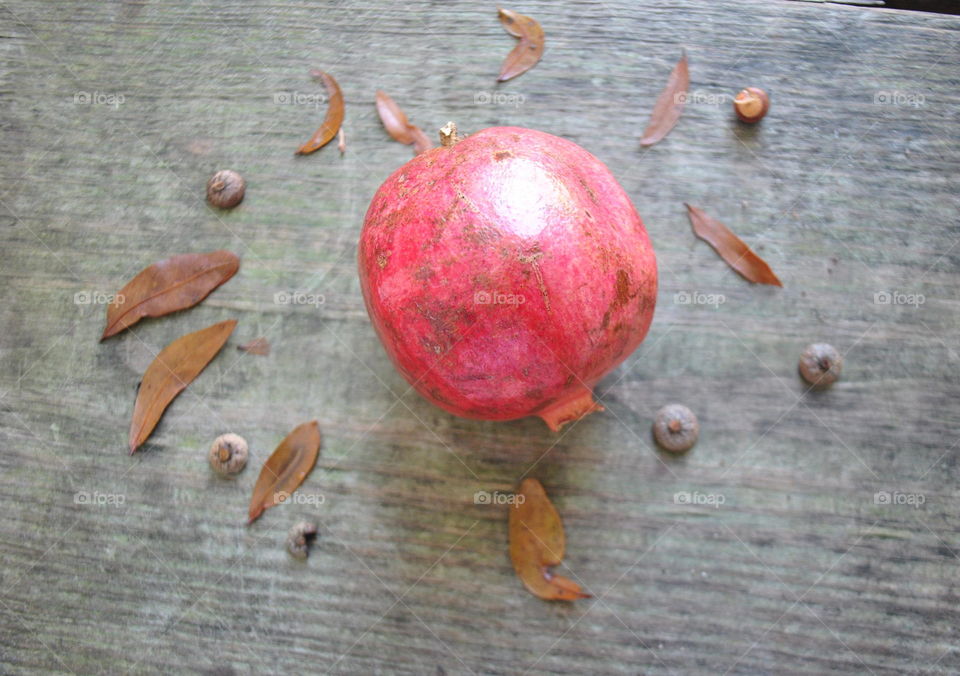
506	273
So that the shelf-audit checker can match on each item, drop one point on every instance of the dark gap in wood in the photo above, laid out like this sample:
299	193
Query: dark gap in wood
933	6
938	6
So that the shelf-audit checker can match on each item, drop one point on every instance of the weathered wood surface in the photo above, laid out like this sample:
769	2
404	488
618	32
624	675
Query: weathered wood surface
845	193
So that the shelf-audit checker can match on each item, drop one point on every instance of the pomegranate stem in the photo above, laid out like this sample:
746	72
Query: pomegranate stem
448	134
570	408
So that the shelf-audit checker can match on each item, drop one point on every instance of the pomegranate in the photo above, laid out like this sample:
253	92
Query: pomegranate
506	273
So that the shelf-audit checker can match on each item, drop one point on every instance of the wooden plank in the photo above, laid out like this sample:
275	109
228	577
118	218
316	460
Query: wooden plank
115	114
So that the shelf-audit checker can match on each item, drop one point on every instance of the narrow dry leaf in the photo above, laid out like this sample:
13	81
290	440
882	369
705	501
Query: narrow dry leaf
341	141
332	121
537	543
169	374
398	126
731	248
286	468
529	49
393	118
259	346
667	110
167	286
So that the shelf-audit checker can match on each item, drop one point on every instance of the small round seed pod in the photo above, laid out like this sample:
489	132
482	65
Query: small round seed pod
676	428
299	538
228	454
225	189
751	104
820	365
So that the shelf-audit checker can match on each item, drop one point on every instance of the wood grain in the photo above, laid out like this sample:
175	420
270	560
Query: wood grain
114	116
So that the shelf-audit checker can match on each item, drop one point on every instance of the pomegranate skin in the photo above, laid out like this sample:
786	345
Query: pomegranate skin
506	274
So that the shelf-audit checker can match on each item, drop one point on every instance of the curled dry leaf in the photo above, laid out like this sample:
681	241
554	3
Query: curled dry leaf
169	374
731	248
393	118
529	49
170	285
669	105
259	346
333	120
398	126
286	468
537	543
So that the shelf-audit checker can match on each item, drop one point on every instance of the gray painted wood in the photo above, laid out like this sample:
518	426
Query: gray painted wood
848	192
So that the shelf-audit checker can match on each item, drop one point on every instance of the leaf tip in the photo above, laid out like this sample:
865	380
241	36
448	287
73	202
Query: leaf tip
110	330
527	485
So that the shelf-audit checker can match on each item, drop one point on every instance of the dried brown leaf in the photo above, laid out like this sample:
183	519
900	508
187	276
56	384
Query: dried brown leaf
529	49
173	284
731	248
398	126
537	543
286	468
259	346
332	121
394	119
669	105
169	374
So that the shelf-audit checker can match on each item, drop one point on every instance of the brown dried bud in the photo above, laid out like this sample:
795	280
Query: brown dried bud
228	454
299	538
751	104
820	365
225	189
676	428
